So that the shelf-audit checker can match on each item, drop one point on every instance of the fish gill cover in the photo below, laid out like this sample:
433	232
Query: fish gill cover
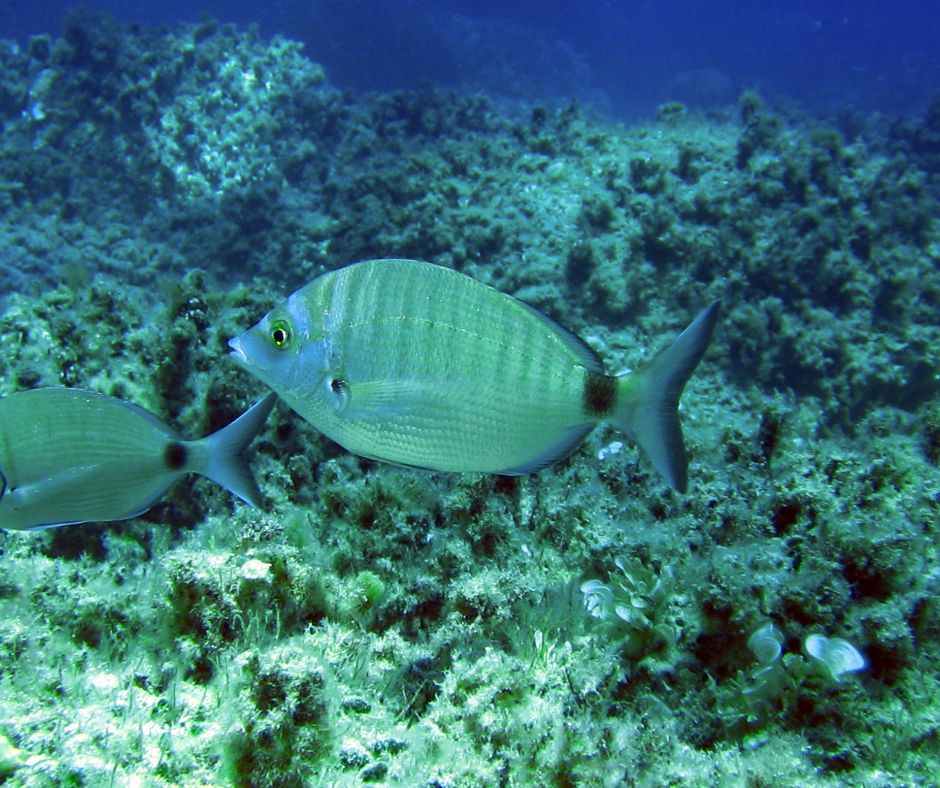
161	191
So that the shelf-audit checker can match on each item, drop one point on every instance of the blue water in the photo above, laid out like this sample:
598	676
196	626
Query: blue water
628	56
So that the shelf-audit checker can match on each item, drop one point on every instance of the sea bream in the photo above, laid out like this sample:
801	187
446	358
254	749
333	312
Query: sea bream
72	456
414	364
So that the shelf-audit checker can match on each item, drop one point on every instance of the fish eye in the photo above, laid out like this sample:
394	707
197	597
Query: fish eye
280	334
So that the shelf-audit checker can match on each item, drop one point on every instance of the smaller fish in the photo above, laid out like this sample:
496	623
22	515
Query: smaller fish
70	456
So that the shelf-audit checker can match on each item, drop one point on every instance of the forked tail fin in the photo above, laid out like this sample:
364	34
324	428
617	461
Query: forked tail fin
648	401
224	450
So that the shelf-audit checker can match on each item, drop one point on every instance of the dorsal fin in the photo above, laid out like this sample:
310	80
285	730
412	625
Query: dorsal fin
578	346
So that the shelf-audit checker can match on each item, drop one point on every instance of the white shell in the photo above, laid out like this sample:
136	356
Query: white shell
838	655
766	644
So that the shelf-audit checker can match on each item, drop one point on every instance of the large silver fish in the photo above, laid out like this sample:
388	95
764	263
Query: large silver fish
71	456
419	365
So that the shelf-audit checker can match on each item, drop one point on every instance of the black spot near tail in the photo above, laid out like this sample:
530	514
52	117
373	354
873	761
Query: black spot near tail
175	455
600	394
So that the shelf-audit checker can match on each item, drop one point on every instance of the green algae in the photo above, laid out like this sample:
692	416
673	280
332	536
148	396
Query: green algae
380	625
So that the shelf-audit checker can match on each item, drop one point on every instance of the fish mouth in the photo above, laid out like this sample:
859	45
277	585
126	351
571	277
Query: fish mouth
238	352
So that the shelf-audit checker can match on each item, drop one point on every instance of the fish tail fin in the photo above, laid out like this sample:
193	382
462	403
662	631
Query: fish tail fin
647	402
223	452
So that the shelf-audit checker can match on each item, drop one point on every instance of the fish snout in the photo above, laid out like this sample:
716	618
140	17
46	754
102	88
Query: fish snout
238	351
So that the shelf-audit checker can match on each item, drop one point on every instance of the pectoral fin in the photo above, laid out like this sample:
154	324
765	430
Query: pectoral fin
376	400
50	488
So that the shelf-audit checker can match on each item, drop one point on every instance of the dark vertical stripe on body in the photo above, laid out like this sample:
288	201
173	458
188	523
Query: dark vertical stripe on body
361	301
338	311
492	325
363	298
525	358
403	322
453	307
546	349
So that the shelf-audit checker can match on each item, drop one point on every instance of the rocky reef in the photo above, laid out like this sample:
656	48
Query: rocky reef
159	191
